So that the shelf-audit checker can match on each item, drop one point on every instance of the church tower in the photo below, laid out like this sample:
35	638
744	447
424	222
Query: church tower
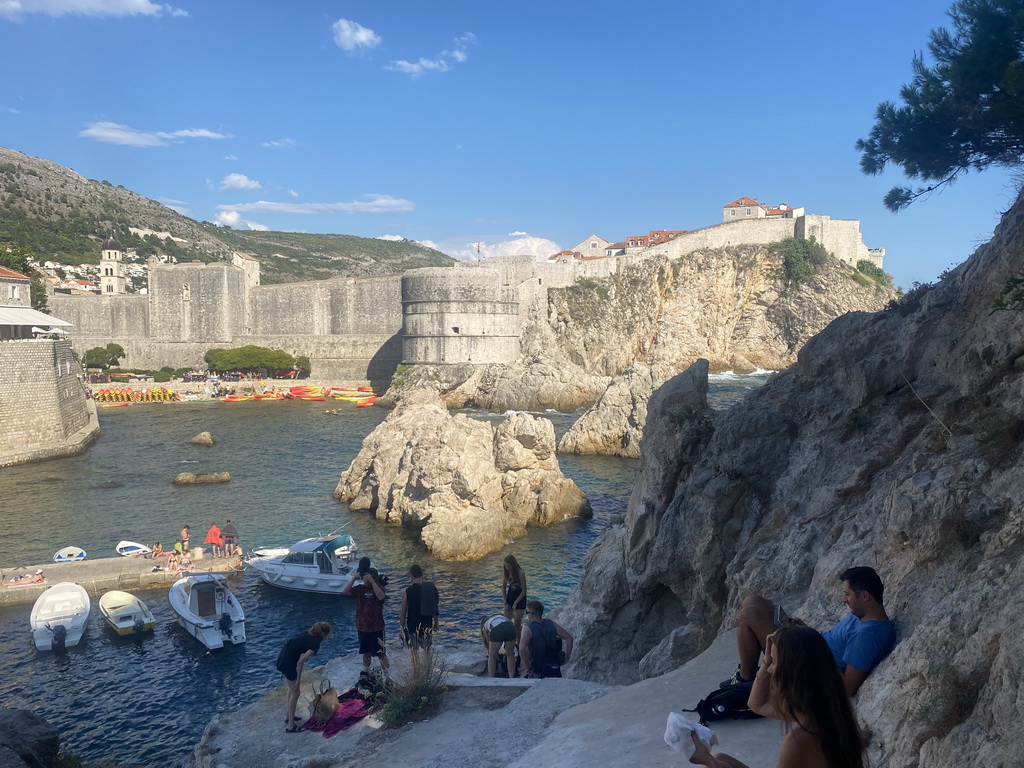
112	279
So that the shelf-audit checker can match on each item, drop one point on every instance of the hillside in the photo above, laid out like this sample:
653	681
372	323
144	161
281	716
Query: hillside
59	215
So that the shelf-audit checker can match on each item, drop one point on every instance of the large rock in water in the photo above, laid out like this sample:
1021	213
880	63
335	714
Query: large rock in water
895	441
467	486
27	740
615	423
201	478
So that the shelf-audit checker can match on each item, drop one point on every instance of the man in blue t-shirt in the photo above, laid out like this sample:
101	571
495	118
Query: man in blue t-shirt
858	642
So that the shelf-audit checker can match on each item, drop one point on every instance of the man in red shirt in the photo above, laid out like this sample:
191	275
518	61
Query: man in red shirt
369	596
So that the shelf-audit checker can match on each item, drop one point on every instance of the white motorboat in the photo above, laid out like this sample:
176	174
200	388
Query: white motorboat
125	613
323	564
131	549
59	616
69	555
208	610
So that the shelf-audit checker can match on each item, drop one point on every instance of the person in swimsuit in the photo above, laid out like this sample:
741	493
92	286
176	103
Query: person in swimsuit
184	540
799	684
513	592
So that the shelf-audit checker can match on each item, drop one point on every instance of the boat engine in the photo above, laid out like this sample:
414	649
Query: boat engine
139	625
225	624
60	636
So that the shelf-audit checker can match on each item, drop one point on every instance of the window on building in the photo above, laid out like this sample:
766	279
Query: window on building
455	329
733	211
748	211
14	291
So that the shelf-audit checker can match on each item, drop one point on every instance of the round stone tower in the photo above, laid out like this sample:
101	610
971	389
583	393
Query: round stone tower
458	315
112	279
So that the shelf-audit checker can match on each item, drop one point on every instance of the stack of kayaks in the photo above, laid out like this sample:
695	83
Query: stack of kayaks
361	396
125	395
305	392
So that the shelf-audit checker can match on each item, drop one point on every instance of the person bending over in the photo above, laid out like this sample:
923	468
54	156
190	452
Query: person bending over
858	642
290	661
495	632
800	685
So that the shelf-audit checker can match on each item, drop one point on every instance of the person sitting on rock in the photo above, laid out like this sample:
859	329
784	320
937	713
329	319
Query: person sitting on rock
540	644
158	551
495	632
858	642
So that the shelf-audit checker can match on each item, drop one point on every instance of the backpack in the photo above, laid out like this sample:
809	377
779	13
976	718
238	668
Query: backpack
724	703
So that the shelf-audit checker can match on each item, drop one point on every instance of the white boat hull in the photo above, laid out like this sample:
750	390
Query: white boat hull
64	605
207	610
322	565
131	549
126	614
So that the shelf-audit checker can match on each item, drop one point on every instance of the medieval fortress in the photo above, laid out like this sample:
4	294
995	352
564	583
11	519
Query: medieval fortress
361	329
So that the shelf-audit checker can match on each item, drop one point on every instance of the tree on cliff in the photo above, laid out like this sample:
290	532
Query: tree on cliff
965	113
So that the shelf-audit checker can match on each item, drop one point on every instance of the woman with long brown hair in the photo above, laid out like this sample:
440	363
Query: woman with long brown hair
800	684
513	592
296	652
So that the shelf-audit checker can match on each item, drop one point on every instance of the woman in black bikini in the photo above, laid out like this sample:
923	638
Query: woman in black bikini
513	592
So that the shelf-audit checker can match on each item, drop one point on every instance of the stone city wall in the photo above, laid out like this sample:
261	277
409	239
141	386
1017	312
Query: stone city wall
43	407
345	306
189	302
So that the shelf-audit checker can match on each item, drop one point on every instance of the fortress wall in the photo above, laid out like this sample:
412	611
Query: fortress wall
342	306
42	402
460	315
192	302
372	305
754	232
99	320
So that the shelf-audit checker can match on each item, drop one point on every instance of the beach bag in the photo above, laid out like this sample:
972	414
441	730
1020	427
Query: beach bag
725	703
325	702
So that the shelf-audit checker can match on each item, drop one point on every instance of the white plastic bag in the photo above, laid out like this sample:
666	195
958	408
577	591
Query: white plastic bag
677	734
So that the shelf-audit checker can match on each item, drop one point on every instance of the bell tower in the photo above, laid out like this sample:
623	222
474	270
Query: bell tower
112	279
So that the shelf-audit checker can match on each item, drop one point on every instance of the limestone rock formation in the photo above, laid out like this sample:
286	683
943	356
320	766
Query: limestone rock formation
615	423
466	486
894	441
201	478
203	438
27	740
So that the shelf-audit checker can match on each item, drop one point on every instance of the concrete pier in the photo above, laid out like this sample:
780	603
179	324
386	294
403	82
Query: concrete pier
103	574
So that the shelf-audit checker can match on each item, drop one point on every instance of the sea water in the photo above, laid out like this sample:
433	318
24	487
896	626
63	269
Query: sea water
145	701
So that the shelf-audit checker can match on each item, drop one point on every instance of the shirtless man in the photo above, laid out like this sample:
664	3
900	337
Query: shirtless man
858	642
184	540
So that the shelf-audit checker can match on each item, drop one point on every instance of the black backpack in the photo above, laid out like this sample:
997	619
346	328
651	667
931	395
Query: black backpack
724	703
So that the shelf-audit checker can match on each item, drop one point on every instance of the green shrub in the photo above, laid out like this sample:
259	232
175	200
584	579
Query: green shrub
161	376
801	259
875	272
413	693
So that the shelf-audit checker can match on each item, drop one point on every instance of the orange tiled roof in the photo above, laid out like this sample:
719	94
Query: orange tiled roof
10	274
742	202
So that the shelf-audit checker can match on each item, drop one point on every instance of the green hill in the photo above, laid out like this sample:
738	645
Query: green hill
59	215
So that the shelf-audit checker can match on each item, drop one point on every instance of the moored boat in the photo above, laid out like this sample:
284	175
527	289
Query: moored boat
69	555
125	613
324	564
131	549
207	610
59	616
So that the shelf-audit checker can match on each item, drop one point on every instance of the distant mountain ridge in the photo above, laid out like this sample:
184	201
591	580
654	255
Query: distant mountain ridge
59	215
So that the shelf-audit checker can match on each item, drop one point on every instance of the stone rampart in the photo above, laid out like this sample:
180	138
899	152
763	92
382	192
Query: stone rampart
197	301
346	306
43	407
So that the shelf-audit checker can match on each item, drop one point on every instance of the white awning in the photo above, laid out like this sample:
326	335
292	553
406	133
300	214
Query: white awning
27	316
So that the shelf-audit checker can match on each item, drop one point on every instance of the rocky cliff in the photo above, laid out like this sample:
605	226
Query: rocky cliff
893	441
466	486
734	307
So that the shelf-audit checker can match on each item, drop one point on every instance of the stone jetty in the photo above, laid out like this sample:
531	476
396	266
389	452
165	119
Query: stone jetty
103	574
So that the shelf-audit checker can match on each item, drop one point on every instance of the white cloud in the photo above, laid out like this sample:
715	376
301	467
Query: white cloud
293	193
239	181
230	157
390	237
15	9
10	110
234	220
279	143
516	234
116	133
440	63
349	36
538	247
373	204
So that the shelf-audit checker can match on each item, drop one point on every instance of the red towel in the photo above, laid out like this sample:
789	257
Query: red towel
349	712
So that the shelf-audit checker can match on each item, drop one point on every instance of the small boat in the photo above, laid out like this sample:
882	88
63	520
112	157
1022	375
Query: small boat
208	610
131	549
59	616
125	613
114	405
69	555
324	564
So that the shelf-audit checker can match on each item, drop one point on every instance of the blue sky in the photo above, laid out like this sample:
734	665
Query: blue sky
524	127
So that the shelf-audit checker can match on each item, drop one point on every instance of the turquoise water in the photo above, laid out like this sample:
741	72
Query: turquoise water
147	701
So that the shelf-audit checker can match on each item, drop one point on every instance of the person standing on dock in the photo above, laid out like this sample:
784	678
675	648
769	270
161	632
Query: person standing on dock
369	597
184	540
214	539
230	533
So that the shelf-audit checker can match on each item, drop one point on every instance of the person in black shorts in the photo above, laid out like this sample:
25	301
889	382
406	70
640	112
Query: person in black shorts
513	592
290	661
418	614
366	589
230	533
